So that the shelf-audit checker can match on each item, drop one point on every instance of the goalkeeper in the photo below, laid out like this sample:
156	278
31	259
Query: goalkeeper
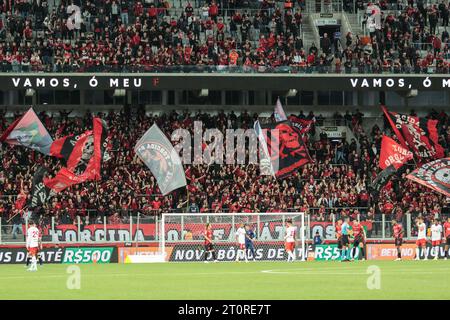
249	237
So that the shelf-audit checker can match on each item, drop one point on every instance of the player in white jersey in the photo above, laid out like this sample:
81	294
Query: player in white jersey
33	244
240	237
289	240
421	242
436	236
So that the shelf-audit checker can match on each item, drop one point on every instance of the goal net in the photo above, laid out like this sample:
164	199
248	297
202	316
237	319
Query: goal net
181	236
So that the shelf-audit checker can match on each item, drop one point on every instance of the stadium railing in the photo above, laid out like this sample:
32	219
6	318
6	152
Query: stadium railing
226	69
105	229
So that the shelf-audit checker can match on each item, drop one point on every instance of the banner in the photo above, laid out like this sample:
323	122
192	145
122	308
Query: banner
29	132
125	252
327	252
393	154
88	255
158	154
434	175
39	191
19	255
418	134
268	231
96	233
286	148
408	250
190	252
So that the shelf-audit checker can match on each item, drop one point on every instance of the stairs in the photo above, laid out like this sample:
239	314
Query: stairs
356	28
308	33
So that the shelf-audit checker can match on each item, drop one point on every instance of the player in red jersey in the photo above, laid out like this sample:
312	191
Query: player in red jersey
397	230
338	230
209	244
358	239
447	236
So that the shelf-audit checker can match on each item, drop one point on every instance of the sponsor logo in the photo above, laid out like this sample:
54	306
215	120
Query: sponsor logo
408	250
126	252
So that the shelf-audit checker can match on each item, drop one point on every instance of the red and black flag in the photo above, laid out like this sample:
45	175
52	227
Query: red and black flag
418	134
393	154
285	147
28	131
84	157
302	125
434	175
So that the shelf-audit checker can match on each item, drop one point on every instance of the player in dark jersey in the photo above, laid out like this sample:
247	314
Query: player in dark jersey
397	230
209	245
358	240
249	237
447	236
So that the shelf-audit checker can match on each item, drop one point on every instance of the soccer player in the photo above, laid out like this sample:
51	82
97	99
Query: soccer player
241	234
436	236
338	228
358	240
33	244
289	240
421	239
447	236
397	229
345	239
209	246
249	246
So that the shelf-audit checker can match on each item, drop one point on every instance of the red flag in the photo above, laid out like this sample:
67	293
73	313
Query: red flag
302	125
417	134
84	160
64	179
393	154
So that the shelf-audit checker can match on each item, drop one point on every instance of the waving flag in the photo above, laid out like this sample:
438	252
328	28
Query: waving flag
434	175
279	113
383	178
158	154
264	158
40	193
393	154
302	125
84	157
285	147
418	134
29	132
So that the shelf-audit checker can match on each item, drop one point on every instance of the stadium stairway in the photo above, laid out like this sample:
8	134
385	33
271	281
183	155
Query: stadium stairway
355	26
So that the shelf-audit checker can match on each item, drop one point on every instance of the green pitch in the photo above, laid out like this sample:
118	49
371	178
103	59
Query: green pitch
253	280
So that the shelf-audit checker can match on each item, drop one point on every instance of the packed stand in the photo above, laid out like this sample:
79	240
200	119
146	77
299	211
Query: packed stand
123	35
400	37
336	184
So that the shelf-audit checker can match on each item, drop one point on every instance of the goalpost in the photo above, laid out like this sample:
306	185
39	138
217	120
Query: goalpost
181	235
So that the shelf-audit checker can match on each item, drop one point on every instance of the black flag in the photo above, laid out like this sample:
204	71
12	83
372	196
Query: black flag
40	193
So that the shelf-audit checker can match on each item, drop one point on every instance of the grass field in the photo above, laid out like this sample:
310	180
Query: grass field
265	280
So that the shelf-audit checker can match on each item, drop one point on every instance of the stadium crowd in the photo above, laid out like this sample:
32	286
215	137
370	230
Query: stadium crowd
337	182
212	36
